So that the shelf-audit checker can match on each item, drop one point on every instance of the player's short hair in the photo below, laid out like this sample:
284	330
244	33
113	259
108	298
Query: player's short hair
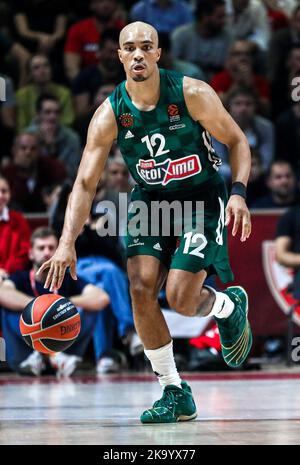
42	233
42	98
207	7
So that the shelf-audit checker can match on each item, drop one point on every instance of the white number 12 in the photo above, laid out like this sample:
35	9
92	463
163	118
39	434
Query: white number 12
193	239
151	142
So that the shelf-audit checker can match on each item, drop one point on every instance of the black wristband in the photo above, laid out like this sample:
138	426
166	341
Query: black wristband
238	188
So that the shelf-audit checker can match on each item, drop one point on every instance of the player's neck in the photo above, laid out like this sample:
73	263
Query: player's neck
144	95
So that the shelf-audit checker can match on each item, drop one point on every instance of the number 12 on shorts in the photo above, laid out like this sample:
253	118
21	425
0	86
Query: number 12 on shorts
190	239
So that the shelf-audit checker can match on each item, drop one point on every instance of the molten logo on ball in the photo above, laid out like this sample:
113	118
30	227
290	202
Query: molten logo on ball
68	329
46	330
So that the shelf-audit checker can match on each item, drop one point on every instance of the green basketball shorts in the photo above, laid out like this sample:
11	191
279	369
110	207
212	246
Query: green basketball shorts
183	233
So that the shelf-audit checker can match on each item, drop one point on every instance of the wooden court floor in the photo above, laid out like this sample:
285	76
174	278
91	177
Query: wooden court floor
233	408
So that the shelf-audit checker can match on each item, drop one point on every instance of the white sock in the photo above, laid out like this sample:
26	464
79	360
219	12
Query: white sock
223	305
163	365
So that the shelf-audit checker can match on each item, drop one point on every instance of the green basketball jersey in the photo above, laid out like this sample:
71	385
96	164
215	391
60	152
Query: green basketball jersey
165	149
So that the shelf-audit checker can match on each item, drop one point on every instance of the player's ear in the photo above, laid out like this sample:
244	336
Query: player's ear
120	55
158	54
30	254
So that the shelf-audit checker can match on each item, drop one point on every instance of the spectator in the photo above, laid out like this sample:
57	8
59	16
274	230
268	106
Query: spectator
5	16
91	243
41	77
7	117
14	235
242	105
169	62
287	6
23	286
206	351
256	188
40	24
102	93
287	248
83	38
100	260
247	19
204	42
164	15
288	137
240	72
29	172
118	176
281	183
281	44
50	196
277	16
283	84
57	141
56	200
18	53
109	70
82	122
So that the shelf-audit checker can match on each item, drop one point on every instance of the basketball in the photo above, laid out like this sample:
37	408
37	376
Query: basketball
50	323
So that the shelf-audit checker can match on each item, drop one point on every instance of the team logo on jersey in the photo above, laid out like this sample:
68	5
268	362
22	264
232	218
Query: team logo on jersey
173	112
279	280
169	170
126	120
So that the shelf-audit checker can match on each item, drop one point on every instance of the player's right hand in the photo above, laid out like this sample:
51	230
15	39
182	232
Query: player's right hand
64	256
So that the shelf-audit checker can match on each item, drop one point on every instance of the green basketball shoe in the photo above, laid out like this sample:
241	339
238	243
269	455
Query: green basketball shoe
235	331
175	405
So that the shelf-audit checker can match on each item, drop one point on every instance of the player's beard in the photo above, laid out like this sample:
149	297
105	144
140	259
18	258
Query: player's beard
140	78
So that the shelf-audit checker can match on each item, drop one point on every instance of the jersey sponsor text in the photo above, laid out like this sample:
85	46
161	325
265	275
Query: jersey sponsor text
170	170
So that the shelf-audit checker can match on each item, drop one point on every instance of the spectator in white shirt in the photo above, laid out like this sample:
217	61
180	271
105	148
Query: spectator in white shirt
247	19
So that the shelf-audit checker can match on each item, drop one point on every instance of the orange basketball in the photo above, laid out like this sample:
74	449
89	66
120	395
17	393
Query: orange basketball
50	323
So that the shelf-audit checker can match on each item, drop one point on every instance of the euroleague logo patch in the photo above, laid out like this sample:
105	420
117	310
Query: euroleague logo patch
173	112
126	120
169	170
173	109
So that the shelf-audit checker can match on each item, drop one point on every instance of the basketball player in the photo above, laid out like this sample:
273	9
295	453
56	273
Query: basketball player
161	118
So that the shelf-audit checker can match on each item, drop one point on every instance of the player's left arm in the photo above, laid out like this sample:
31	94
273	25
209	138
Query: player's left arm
205	106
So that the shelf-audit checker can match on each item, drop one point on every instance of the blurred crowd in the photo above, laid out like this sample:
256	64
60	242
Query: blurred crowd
59	62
